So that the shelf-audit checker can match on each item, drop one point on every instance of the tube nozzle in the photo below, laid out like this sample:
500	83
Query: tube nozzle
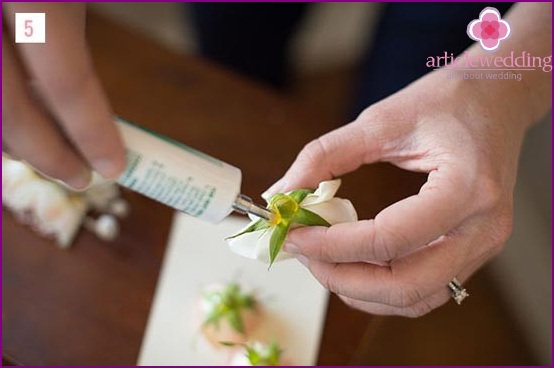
244	204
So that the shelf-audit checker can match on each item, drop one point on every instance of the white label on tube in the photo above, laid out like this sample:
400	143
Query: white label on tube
177	175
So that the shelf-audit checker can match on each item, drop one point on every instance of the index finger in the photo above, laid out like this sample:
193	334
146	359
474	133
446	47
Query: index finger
400	228
341	151
69	87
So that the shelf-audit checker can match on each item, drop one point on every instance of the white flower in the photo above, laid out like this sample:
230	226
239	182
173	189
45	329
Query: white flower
322	202
101	193
53	209
43	204
14	174
256	353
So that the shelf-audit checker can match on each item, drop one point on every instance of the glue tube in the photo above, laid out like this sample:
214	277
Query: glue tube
182	177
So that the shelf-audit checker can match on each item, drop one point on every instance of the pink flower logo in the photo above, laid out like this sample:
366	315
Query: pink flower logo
489	29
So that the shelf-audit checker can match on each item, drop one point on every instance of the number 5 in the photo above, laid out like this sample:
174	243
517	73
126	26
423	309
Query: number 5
28	28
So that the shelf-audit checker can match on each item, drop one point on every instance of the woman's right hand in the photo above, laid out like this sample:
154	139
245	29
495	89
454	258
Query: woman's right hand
55	115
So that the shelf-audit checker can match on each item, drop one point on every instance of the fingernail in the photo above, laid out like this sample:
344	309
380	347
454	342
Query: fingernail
109	169
291	248
303	260
79	182
274	189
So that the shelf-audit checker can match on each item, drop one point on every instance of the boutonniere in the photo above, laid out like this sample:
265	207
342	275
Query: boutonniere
228	313
256	353
263	239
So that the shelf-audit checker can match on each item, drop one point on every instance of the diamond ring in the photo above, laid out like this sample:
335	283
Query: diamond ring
457	291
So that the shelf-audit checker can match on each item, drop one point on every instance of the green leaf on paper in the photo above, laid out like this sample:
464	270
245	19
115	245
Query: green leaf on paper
253	356
235	320
228	343
269	356
228	304
213	318
259	355
309	218
273	354
277	239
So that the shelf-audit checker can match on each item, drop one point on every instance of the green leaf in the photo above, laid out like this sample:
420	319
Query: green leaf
265	356
228	304
309	218
284	205
258	225
269	356
273	354
299	194
252	355
235	320
246	301
213	318
277	239
231	290
229	343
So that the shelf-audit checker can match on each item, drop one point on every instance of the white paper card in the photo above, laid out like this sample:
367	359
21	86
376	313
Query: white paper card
294	302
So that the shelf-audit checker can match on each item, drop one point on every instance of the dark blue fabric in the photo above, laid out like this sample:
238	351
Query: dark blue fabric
406	35
250	38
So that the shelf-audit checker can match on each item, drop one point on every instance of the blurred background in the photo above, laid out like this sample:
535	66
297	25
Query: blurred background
325	54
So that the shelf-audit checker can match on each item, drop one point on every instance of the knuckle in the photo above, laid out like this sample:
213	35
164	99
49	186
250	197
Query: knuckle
405	297
501	230
330	281
385	242
489	192
382	251
313	151
496	247
366	248
324	249
316	154
373	112
505	225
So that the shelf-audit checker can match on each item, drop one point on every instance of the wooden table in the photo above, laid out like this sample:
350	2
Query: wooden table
89	305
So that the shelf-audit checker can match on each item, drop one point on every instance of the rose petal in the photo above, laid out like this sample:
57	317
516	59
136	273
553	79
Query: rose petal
324	192
255	245
246	244
335	211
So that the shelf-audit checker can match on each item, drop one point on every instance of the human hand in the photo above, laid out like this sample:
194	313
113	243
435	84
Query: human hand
401	261
55	114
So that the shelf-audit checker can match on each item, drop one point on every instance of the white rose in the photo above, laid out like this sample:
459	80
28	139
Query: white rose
322	202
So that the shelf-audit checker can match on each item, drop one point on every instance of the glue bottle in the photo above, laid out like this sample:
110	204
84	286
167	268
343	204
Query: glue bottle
182	177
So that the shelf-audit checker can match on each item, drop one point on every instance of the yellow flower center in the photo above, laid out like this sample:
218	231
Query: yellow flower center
284	208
